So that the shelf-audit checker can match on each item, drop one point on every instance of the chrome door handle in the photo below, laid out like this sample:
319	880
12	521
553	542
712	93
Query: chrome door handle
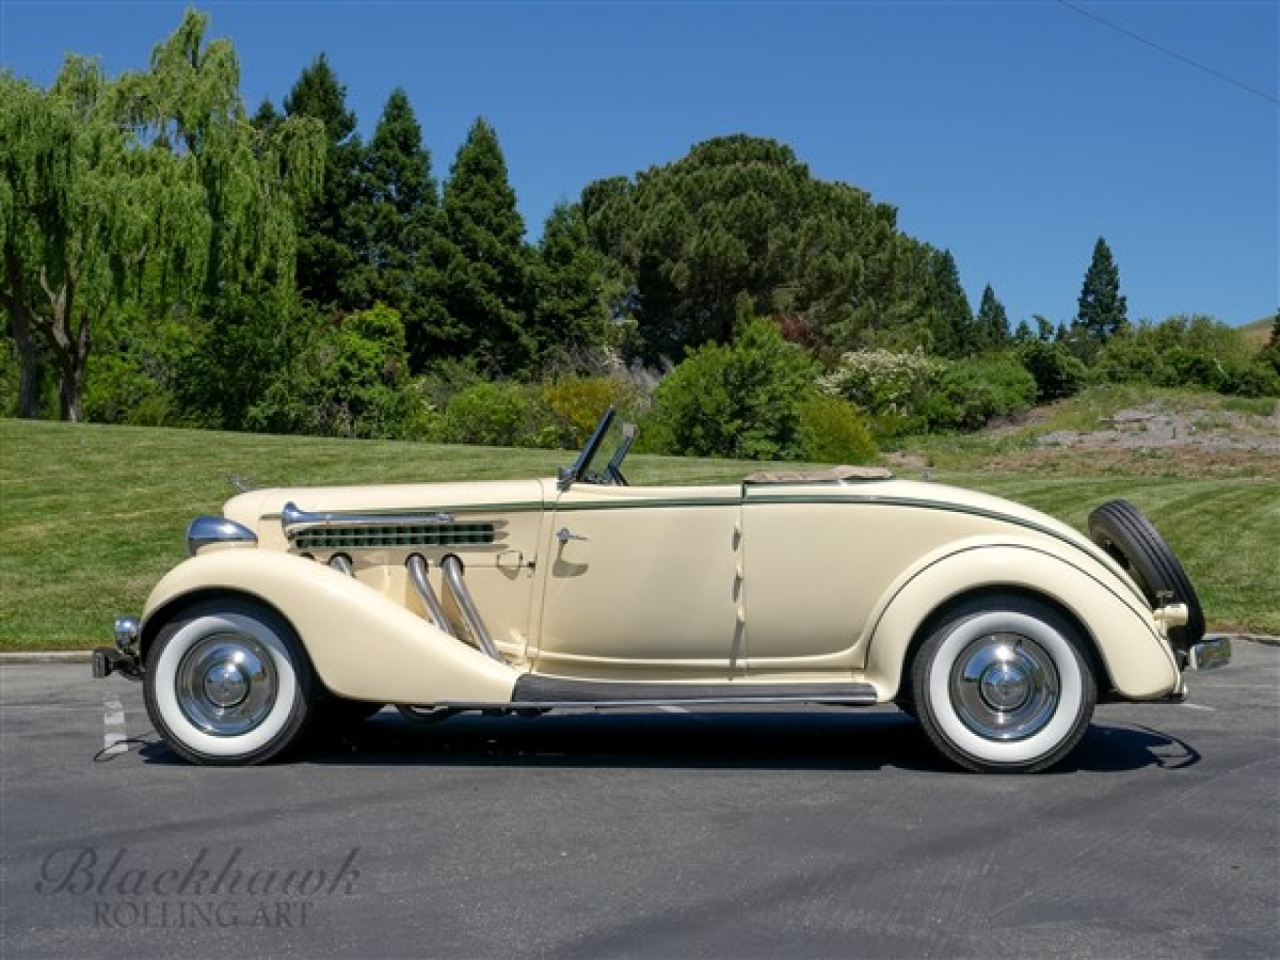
564	535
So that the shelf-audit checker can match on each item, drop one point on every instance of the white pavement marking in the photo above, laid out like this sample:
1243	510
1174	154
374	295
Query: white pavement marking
114	739
1199	706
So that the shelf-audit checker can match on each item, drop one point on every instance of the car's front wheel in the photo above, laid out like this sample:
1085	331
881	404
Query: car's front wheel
1003	685
228	682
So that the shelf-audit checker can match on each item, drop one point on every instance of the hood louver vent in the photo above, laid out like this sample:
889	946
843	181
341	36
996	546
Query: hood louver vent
370	537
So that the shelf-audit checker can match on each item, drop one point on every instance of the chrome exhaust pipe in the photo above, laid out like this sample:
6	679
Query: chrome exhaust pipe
418	577
451	568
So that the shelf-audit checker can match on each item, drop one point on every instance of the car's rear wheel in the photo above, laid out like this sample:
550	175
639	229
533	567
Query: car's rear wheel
1003	685
228	682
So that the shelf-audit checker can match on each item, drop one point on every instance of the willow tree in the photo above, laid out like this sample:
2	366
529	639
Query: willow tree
151	188
70	224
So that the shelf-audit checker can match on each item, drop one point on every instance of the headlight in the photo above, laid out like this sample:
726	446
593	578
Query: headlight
204	531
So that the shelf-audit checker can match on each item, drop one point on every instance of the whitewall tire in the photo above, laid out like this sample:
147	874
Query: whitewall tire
228	682
1004	685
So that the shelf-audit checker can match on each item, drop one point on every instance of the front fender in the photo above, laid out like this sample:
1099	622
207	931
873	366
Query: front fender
362	644
1137	658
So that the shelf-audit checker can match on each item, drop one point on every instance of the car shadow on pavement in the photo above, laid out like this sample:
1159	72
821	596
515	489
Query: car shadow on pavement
773	740
777	740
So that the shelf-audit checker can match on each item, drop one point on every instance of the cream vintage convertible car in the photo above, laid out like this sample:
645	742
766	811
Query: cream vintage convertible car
998	627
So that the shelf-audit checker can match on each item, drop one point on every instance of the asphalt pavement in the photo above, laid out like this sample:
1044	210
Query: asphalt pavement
766	833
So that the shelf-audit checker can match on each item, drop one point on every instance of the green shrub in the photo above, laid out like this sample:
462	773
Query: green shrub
1058	374
502	414
575	404
1187	351
132	371
349	380
974	392
741	400
1258	379
832	431
117	391
445	377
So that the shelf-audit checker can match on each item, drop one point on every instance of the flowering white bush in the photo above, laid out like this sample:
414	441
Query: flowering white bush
885	383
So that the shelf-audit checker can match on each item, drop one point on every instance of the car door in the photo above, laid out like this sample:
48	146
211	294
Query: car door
642	583
811	573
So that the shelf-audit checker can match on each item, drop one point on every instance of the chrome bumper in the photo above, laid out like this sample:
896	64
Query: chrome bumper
1210	652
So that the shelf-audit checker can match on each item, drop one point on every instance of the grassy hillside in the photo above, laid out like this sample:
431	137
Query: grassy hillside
91	516
1259	332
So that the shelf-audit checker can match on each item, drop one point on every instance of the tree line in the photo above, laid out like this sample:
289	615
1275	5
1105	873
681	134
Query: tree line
170	258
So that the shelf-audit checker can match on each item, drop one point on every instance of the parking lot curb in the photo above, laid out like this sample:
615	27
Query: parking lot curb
45	656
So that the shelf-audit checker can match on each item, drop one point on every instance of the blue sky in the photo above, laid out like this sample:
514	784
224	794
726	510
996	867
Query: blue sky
1012	133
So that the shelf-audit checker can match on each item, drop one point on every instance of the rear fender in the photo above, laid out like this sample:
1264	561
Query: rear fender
362	644
1126	637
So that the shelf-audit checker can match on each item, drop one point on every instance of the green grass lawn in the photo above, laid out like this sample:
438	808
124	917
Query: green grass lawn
91	516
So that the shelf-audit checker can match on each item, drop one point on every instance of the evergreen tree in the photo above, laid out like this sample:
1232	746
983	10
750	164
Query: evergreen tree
330	238
572	307
267	118
953	329
399	217
1102	311
740	228
484	275
992	323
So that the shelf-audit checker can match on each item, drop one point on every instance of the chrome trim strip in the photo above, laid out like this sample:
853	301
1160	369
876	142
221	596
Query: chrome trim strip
451	568
418	577
294	519
206	530
1209	653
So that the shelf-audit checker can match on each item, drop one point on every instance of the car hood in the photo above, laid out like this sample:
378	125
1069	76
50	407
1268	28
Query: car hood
260	510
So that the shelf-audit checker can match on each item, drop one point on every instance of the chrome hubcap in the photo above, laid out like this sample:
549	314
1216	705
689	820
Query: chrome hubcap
1004	687
226	684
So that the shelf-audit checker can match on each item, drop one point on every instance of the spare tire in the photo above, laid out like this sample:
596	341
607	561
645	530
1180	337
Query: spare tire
1120	529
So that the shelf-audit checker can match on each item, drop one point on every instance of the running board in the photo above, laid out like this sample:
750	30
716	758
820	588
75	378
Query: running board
554	692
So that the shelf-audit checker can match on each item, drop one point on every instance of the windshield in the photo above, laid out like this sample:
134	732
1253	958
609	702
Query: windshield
594	464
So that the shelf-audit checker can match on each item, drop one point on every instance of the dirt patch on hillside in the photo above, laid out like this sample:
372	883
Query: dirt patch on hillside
1154	429
1156	441
1148	440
